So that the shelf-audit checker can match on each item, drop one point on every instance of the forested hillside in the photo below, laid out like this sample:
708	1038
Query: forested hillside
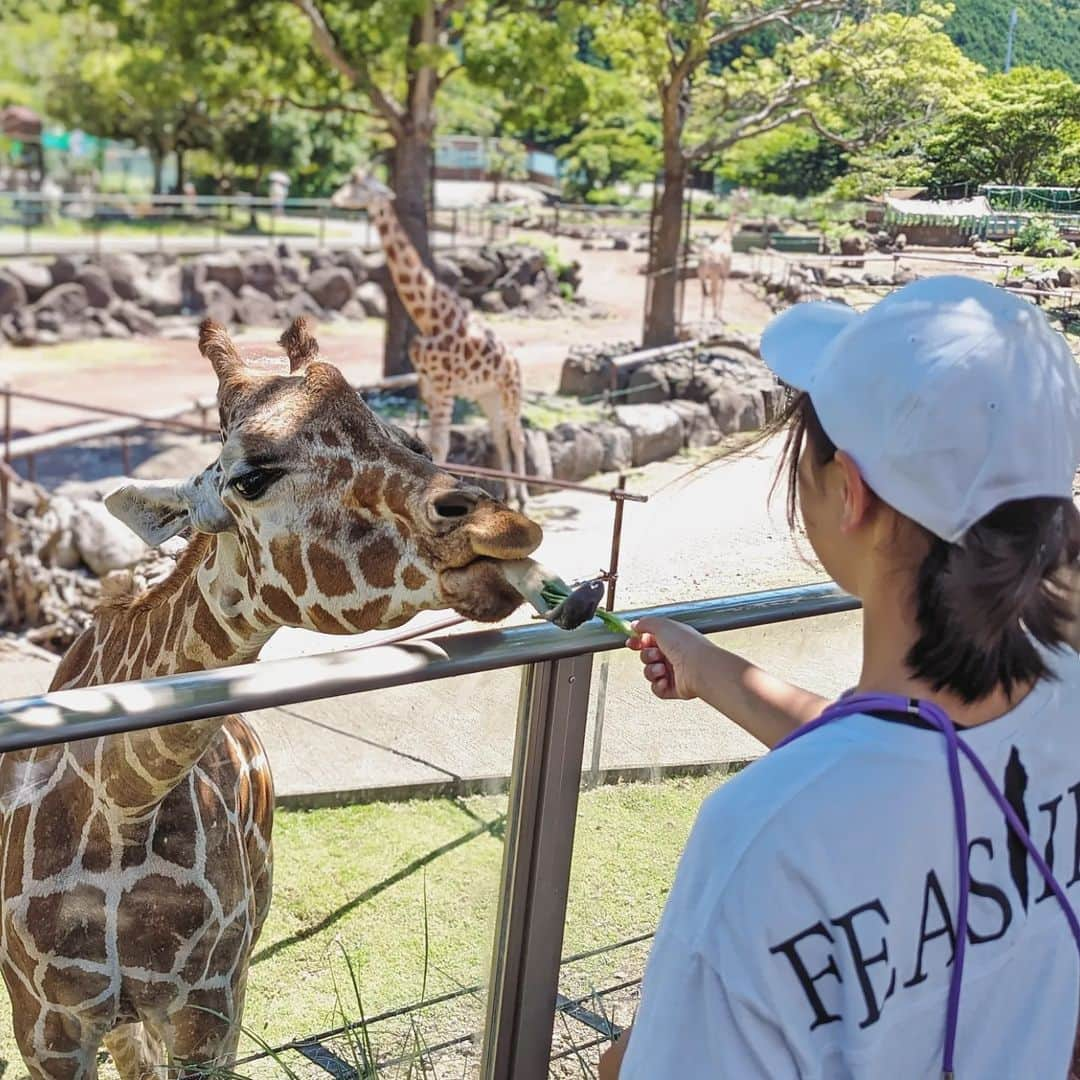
1047	33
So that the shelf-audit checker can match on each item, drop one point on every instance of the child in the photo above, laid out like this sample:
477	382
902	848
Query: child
816	927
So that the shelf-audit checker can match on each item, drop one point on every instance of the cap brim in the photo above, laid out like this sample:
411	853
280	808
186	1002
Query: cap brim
796	341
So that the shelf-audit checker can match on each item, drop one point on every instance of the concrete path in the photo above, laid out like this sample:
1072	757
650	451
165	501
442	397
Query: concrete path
703	533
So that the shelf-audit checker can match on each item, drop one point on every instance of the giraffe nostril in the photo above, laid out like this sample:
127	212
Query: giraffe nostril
453	505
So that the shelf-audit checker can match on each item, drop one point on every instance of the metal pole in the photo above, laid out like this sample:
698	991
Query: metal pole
541	817
125	454
4	495
1009	42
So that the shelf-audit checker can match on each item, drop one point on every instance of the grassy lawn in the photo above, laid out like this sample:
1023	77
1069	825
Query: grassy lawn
370	882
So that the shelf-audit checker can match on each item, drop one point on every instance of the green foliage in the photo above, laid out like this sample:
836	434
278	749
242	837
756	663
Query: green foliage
1040	237
788	161
1018	128
609	151
1047	33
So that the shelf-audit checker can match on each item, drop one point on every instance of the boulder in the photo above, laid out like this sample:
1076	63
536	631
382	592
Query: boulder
699	426
618	446
492	302
138	320
34	277
576	452
216	301
1068	277
510	291
124	270
353	310
301	303
373	300
64	268
12	293
538	458
262	271
188	456
162	293
99	290
111	327
223	267
478	270
332	287
20	327
448	272
648	383
853	244
104	543
58	547
255	308
322	259
737	408
355	261
68	302
656	431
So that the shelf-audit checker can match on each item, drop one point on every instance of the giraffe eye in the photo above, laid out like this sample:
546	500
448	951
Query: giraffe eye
252	484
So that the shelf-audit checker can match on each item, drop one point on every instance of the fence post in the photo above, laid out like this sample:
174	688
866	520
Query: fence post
322	225
541	816
4	495
125	454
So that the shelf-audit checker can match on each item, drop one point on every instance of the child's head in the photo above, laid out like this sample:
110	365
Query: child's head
936	437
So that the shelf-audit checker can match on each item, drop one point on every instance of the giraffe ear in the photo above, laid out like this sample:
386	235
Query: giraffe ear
299	345
216	345
157	510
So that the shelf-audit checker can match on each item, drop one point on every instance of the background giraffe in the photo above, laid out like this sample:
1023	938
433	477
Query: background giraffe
714	265
456	353
135	870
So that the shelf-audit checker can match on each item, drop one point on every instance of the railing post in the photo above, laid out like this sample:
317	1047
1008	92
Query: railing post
541	816
4	494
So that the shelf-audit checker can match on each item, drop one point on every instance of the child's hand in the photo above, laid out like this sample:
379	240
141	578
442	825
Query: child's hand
671	654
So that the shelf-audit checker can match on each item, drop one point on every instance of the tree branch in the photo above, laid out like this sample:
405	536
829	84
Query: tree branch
756	123
327	46
328	106
776	15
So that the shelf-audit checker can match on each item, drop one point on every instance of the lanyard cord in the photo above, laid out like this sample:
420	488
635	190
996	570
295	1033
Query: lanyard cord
954	746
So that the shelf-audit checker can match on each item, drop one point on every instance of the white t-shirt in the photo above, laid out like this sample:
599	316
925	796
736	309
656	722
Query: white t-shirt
809	932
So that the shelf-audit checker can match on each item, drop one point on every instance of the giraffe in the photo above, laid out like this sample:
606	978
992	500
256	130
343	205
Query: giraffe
714	266
135	870
456	353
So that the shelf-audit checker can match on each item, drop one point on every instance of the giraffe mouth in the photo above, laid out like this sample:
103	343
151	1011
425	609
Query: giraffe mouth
479	590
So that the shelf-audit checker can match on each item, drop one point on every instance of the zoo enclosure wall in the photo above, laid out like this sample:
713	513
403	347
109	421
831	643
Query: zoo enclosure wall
545	779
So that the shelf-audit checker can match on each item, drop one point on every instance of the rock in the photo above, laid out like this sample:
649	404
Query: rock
322	259
699	426
104	543
68	302
12	293
99	290
904	276
224	267
538	458
510	291
492	302
853	244
332	287
58	547
618	447
1068	278
532	297
162	293
448	272
34	277
576	452
112	327
64	268
900	241
262	271
478	270
373	300
355	261
255	308
138	320
20	327
736	408
124	270
656	431
353	310
300	304
187	457
216	301
648	383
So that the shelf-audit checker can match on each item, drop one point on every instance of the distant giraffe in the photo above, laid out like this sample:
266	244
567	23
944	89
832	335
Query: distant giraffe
135	870
456	354
714	266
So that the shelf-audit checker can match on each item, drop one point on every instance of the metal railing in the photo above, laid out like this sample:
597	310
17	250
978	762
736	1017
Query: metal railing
545	780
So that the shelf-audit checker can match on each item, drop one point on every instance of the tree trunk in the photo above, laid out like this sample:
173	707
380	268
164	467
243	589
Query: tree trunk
660	318
411	170
157	159
180	150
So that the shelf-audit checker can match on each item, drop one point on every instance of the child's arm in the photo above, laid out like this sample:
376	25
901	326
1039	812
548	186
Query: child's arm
681	663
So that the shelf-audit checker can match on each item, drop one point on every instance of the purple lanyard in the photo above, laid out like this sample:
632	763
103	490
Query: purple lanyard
954	747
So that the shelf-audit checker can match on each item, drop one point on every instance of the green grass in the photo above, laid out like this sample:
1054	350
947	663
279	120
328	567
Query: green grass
373	883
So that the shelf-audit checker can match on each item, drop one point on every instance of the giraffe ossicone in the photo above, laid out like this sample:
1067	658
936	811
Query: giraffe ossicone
456	354
135	870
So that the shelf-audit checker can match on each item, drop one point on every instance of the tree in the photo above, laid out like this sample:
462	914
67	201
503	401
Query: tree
1019	128
714	90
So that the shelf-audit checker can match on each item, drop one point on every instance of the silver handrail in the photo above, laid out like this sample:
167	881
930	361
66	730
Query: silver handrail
90	712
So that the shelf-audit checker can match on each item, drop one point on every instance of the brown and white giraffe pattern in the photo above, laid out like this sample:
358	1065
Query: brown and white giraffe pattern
456	353
135	870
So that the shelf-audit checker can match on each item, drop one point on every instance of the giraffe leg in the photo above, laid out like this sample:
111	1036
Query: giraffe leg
60	1048
718	295
493	408
517	449
137	1053
440	414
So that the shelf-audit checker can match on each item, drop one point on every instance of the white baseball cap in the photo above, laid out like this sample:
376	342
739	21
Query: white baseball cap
951	395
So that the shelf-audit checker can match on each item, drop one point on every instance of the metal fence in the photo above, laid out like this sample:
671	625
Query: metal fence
545	779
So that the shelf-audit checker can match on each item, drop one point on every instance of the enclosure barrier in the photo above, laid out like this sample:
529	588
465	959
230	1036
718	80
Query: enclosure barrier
545	780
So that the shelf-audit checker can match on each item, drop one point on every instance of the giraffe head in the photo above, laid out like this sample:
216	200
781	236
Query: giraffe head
360	191
328	517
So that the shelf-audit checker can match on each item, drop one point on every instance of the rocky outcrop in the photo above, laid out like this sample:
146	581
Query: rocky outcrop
254	288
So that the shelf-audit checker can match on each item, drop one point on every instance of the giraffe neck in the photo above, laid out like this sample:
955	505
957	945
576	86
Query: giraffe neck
419	290
202	616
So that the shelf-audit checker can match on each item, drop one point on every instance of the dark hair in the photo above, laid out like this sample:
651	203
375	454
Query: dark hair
982	603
